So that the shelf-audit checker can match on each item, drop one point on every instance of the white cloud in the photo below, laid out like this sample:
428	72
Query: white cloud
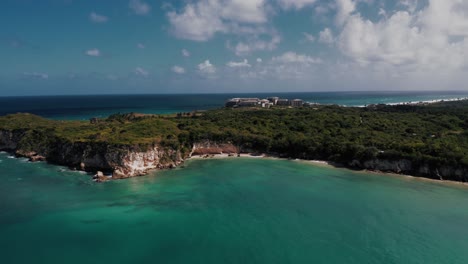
344	10
246	11
296	4
241	64
178	69
36	75
185	53
93	53
309	37
96	18
293	57
141	72
139	7
259	60
244	48
434	38
200	21
206	67
141	46
410	5
326	36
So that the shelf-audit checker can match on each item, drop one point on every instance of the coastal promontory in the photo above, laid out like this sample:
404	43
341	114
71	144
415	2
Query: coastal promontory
422	140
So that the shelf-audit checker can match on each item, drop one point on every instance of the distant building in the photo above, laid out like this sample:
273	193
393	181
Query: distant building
297	103
273	100
265	103
248	99
232	102
248	103
282	102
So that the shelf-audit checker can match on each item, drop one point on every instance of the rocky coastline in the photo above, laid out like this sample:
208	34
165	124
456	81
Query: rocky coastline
124	161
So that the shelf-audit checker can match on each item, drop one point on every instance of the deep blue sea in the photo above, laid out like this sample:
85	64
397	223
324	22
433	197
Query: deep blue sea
85	107
233	210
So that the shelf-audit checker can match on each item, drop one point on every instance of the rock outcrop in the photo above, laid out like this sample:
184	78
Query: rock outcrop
405	166
122	161
208	147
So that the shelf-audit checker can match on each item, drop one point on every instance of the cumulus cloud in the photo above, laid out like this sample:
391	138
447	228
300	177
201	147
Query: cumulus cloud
178	69
241	64
435	37
93	52
293	57
141	72
36	75
206	67
259	60
141	46
296	4
410	5
200	21
139	7
344	10
326	36
96	18
185	53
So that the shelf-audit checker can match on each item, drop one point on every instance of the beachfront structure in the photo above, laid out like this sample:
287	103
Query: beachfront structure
297	103
232	102
273	99
248	103
265	103
283	102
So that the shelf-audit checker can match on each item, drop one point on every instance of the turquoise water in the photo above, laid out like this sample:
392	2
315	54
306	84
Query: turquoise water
234	210
85	107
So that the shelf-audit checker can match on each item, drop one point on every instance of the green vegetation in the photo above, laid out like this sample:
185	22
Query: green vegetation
436	134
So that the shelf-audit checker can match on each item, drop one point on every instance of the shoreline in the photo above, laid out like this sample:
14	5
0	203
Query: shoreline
321	163
413	103
326	164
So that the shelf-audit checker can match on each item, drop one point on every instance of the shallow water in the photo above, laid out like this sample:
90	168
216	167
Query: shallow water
234	210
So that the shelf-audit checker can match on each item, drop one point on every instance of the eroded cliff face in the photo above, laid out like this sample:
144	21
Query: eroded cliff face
129	163
208	147
405	166
122	161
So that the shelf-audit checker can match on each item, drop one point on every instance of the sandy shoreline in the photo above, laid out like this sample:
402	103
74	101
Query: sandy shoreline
327	164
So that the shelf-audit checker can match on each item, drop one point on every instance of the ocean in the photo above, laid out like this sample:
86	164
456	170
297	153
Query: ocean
85	107
233	210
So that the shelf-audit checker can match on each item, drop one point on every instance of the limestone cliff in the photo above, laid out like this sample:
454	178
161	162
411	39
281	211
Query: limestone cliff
207	147
121	160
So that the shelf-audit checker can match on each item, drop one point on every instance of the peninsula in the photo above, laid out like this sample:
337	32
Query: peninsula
421	140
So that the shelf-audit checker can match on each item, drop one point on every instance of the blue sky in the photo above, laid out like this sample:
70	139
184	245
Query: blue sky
203	46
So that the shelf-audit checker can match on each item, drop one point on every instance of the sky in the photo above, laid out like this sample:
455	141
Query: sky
60	47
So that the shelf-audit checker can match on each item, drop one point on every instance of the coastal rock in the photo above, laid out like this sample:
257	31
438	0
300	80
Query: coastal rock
36	158
404	166
100	177
208	147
